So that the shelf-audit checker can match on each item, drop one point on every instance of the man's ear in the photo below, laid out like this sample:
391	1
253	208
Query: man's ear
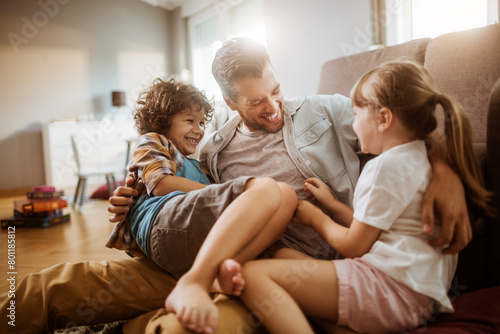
385	117
229	102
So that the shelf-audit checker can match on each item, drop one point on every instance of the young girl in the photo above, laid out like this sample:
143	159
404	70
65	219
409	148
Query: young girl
391	279
170	222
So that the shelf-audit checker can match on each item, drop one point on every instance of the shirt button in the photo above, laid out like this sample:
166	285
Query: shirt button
313	135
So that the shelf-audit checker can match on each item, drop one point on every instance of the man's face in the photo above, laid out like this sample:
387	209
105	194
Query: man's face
259	102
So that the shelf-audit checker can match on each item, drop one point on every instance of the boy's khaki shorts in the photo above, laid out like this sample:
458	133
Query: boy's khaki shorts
183	223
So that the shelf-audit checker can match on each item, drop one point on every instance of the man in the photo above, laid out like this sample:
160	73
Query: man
288	140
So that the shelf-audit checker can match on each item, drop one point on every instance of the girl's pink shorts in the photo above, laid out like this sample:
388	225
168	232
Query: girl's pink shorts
372	302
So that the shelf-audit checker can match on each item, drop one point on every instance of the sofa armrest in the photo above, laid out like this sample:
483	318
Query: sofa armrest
492	181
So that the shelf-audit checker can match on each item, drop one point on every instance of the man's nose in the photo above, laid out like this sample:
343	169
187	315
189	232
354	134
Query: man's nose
271	105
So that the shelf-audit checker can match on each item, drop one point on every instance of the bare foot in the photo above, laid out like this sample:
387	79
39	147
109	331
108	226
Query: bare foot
194	308
230	281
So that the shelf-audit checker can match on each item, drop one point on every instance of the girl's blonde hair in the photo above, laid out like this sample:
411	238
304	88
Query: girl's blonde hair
407	89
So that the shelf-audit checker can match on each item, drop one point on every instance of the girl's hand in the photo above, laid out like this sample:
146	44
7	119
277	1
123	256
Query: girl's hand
306	213
318	190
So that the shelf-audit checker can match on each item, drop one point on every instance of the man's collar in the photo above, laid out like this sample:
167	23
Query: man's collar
227	128
291	106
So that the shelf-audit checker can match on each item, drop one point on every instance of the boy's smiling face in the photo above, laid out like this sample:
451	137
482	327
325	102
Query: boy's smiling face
187	129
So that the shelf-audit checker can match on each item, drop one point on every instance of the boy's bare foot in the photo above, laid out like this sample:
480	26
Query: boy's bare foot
230	281
194	308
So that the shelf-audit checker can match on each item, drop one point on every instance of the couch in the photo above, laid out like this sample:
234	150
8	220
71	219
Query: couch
465	65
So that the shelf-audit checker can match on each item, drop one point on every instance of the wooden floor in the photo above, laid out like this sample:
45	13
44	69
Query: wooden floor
81	239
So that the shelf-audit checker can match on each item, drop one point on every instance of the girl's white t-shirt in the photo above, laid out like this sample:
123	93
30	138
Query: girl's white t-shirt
388	196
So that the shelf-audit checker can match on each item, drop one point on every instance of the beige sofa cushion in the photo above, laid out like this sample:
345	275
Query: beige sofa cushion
338	76
466	65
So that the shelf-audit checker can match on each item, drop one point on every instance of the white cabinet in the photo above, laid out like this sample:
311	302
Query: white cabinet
100	144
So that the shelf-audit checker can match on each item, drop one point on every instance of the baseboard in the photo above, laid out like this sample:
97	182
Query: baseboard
14	192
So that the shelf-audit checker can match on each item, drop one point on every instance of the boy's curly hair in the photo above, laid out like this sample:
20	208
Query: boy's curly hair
157	105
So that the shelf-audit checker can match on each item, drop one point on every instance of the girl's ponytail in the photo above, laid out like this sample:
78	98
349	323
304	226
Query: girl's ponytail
460	154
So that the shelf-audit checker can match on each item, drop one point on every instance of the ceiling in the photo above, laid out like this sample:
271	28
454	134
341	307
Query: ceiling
166	4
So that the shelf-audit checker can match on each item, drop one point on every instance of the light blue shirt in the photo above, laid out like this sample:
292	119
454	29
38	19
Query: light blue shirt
318	136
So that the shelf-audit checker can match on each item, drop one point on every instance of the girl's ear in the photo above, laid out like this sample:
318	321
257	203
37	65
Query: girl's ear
385	117
229	102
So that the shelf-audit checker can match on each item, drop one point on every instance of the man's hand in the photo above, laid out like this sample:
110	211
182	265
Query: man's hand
446	195
121	201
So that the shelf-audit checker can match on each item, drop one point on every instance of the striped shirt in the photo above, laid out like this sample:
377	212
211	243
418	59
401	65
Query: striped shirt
153	157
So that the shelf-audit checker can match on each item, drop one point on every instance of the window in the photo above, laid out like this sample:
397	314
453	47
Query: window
431	18
216	24
411	19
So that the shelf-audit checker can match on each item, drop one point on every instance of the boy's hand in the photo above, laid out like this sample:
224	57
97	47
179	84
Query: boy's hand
306	213
317	190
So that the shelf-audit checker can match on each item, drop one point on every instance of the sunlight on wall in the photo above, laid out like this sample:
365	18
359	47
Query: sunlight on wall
137	70
203	56
257	33
37	82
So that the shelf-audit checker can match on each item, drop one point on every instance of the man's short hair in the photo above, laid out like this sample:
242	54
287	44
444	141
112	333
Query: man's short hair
238	58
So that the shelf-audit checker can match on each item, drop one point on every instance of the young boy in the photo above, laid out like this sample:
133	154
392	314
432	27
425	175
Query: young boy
171	221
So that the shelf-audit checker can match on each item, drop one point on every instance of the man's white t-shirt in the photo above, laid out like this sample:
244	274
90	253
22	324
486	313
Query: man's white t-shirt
389	196
263	154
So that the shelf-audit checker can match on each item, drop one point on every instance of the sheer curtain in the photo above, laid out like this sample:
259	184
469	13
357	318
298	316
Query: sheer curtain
216	24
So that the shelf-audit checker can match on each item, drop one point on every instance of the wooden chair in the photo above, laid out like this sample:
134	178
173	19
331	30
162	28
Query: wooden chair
84	173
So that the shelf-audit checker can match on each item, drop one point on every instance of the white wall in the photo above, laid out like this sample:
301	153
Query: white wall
61	57
77	52
303	34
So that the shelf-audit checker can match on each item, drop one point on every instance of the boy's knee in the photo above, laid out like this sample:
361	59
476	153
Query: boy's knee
289	196
280	192
265	185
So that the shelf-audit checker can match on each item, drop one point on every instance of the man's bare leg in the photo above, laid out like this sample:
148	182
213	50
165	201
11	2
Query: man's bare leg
251	223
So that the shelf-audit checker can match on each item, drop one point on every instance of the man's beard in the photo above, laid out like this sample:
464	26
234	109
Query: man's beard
269	129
